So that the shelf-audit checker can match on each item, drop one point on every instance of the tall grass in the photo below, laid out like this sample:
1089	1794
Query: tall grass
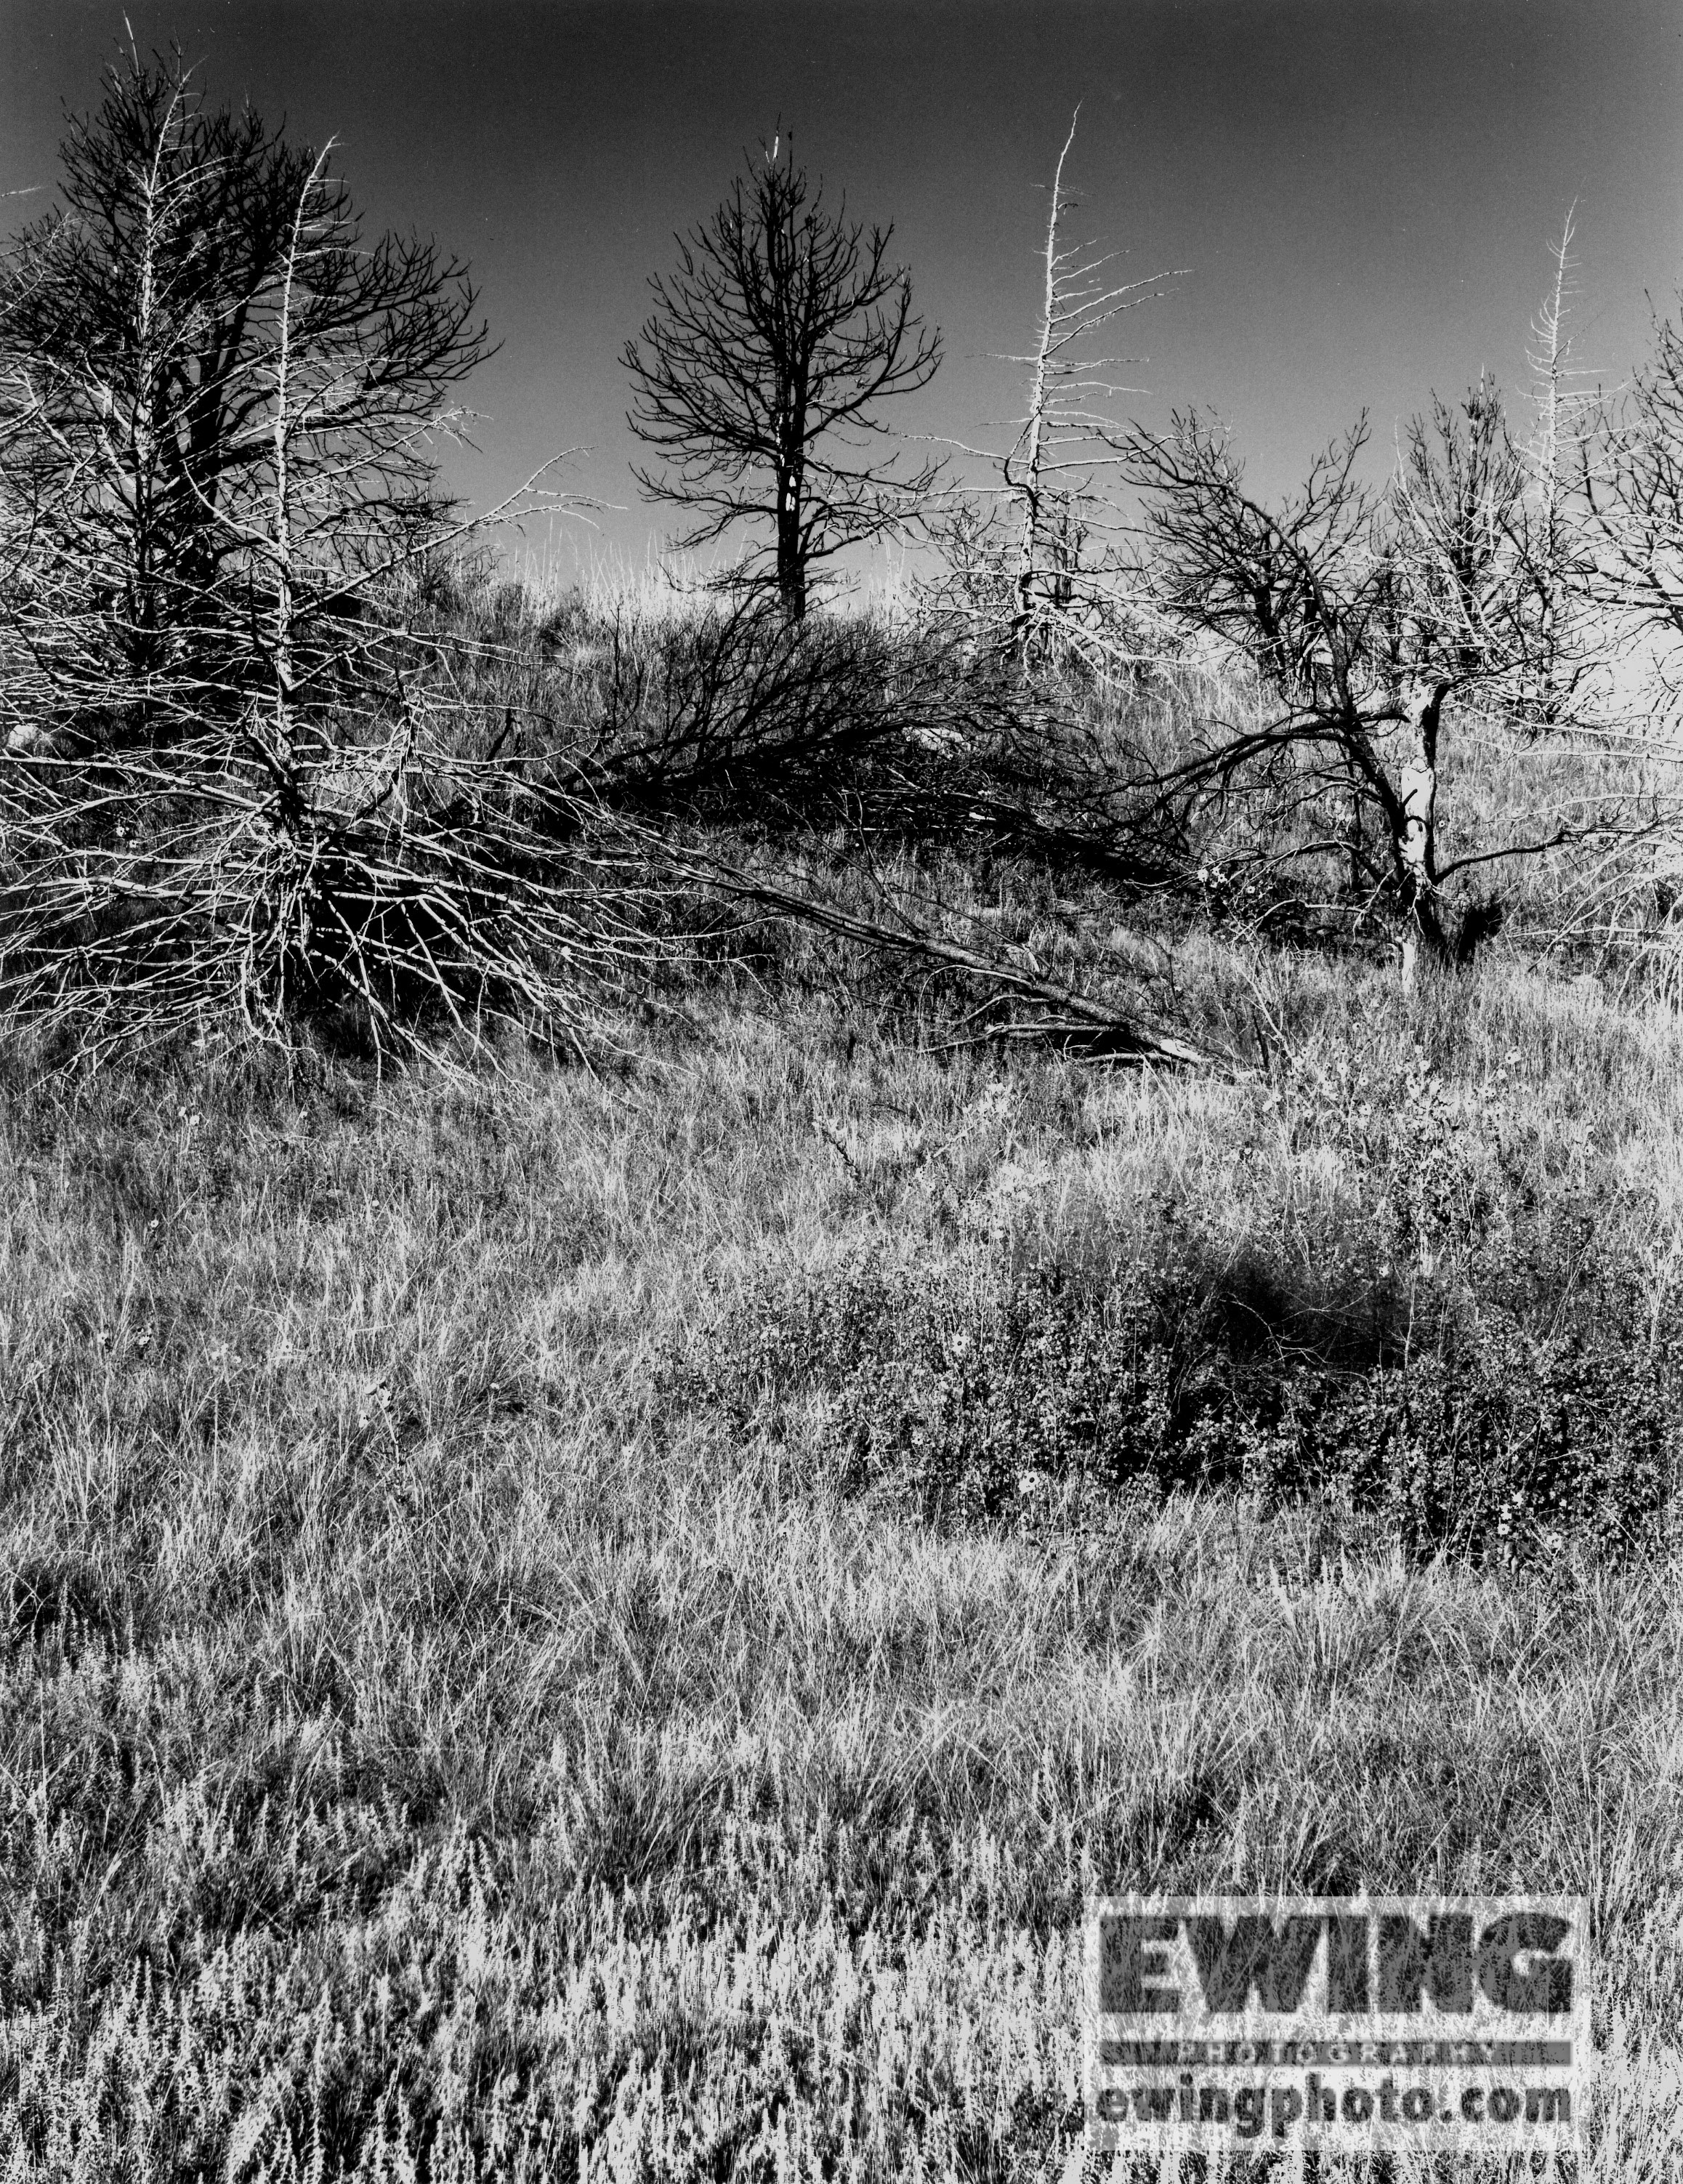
603	1622
430	1743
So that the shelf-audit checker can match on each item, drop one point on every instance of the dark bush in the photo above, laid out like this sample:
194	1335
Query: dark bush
968	1398
977	1396
1499	1450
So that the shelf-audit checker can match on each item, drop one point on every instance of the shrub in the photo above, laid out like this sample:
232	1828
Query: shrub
978	1395
951	1394
1500	1450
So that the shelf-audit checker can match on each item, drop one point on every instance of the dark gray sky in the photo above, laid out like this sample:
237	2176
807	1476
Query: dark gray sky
1362	189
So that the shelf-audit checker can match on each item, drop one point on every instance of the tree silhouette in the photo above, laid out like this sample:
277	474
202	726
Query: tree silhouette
760	371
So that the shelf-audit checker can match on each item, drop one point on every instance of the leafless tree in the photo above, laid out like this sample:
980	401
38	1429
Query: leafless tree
1631	475
1034	555
142	322
1571	631
229	791
1363	612
759	372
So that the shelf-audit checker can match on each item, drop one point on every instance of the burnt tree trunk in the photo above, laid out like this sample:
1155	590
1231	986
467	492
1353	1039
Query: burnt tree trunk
791	556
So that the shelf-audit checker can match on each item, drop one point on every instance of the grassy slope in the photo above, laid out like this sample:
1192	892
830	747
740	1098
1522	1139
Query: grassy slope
475	1748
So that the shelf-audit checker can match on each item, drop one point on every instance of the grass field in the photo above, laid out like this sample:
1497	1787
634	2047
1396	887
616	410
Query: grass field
463	1715
722	1282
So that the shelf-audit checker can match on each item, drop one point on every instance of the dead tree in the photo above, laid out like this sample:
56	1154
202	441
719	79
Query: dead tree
1571	633
760	375
1364	613
137	331
1040	561
228	795
1050	471
1630	473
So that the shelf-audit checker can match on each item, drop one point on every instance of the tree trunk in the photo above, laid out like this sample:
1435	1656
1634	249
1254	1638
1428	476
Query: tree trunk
1028	556
1415	842
791	557
1358	846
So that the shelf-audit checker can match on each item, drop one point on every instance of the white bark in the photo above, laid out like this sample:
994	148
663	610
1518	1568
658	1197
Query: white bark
1417	787
1035	430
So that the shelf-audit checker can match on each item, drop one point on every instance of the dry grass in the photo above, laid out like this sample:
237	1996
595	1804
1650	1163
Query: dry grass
420	1742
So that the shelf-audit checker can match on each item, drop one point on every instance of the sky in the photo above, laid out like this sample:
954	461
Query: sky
1363	192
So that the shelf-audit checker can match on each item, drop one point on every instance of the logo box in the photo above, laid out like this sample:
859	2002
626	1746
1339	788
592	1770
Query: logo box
1340	2024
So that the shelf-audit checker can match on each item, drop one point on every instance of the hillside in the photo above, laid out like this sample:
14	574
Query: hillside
490	1684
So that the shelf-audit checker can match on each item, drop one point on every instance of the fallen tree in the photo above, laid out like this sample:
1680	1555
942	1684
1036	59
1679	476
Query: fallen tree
1077	1021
